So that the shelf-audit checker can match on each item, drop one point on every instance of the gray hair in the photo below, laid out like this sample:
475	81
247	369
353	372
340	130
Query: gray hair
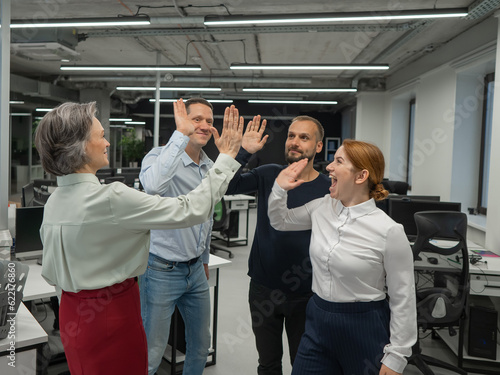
320	131
61	137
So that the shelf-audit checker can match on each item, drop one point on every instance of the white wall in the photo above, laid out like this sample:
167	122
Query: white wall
447	123
493	218
372	124
433	137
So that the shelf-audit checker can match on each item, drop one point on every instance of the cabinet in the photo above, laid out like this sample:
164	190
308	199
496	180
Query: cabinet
331	146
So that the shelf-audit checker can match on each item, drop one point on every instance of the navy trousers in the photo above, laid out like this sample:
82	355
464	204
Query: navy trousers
343	338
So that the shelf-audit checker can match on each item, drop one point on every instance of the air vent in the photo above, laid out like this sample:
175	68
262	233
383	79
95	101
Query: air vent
48	51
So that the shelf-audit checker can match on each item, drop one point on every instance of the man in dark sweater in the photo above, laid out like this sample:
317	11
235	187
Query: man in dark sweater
279	264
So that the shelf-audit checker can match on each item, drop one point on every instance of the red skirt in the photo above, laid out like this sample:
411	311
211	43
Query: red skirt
102	331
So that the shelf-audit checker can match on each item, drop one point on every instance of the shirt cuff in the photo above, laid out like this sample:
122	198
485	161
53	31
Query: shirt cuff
226	164
178	137
394	362
278	190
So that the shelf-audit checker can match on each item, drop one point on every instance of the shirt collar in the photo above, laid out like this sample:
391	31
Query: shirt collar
204	159
76	178
355	211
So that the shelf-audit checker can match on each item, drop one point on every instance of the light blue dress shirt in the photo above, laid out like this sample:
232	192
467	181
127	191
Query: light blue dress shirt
168	171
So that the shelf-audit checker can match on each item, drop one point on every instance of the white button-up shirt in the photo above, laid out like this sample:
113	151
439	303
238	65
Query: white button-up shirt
358	254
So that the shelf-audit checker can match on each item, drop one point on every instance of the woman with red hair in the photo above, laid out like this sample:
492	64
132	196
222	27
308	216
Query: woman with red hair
362	316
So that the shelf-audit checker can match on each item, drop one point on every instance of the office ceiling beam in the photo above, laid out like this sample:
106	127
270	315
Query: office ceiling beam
31	87
368	28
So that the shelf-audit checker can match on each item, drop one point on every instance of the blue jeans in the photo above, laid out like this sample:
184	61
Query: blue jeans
163	286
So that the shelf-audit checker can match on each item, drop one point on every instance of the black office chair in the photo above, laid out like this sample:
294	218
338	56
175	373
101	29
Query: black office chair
396	187
442	299
221	224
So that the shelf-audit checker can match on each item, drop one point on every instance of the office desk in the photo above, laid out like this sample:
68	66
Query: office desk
175	357
237	202
484	282
29	339
36	287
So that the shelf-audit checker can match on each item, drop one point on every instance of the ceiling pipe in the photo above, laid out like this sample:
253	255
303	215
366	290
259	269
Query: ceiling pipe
202	79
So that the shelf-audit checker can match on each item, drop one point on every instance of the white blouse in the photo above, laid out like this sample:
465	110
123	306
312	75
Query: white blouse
358	254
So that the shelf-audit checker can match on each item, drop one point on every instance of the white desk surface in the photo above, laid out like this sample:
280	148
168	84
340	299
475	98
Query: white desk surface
491	267
28	331
36	286
217	262
239	197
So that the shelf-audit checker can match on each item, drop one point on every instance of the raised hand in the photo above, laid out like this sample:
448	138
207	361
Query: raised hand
229	142
182	122
287	179
252	139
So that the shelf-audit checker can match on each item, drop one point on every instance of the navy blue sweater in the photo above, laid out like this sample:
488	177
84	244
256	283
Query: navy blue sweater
278	260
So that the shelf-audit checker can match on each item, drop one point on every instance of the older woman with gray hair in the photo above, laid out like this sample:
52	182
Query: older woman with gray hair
96	237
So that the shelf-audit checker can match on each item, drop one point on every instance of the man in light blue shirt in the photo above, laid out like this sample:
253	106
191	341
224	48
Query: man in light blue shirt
177	270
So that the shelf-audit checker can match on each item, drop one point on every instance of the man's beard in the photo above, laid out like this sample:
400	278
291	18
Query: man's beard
292	159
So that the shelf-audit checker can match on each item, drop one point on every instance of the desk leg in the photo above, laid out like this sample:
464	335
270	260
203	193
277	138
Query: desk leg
173	362
214	324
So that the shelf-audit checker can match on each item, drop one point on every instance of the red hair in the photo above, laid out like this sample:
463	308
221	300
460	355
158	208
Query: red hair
367	156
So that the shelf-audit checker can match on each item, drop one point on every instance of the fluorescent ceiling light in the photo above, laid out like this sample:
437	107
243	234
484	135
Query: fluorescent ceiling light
16	102
20	114
258	89
44	109
139	88
292	102
131	68
136	123
335	17
309	67
210	100
82	22
120	119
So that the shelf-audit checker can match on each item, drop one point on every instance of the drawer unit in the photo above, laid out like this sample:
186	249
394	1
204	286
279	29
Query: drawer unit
485	285
238	205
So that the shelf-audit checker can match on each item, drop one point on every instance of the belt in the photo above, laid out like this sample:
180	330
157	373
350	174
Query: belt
188	262
191	261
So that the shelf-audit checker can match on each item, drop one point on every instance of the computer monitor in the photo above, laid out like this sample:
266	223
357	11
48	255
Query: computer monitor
28	222
27	195
103	173
130	174
384	204
403	210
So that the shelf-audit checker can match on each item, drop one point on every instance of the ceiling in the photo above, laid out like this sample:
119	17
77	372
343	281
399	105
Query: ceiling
177	36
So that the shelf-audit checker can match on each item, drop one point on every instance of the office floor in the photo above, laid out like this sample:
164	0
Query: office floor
236	352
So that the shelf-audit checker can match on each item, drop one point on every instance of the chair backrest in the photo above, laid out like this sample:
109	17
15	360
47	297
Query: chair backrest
442	300
396	187
27	195
221	216
109	180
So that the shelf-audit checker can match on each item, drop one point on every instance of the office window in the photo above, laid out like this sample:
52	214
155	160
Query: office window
411	131
484	166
